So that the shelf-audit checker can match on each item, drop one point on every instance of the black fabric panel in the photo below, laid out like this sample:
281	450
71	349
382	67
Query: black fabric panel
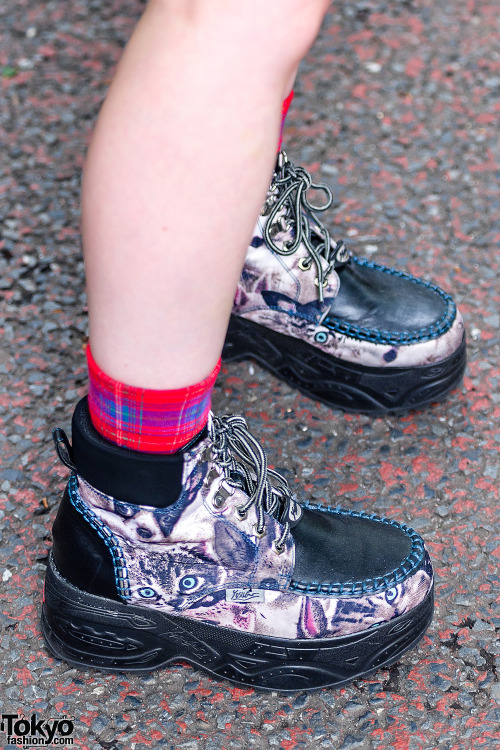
371	298
133	477
333	548
81	556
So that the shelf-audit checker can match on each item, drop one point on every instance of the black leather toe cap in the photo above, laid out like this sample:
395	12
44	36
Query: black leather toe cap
346	552
373	298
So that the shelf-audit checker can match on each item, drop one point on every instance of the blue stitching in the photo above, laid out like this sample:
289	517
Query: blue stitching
393	337
375	585
121	574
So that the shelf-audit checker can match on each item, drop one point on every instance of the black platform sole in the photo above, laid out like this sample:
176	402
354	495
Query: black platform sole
338	383
90	631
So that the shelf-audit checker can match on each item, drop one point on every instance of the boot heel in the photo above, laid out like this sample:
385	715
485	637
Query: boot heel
91	631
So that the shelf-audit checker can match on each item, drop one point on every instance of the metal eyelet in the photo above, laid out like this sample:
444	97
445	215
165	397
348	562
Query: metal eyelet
304	264
259	534
277	548
211	476
206	454
220	497
242	514
218	501
275	230
316	281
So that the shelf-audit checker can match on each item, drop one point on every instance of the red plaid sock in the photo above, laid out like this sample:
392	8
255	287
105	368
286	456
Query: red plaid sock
147	420
284	111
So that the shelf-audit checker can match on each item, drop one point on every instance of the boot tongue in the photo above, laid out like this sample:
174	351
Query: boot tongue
245	465
293	231
288	511
338	251
291	512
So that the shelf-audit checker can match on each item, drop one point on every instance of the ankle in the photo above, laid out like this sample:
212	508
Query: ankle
146	420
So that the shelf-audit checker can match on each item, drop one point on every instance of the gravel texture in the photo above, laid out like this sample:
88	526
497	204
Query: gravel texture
397	109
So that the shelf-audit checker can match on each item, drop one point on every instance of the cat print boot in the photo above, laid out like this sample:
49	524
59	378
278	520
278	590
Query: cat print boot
351	333
206	556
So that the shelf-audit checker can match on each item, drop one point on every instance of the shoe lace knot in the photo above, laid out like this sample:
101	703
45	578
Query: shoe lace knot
291	212
244	464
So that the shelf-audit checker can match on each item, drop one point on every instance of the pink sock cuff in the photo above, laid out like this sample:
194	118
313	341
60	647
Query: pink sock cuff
284	111
153	421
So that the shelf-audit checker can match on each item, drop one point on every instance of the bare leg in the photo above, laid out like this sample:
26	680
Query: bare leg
177	172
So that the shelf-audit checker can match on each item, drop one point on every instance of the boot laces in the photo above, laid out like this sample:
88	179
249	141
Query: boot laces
244	464
290	210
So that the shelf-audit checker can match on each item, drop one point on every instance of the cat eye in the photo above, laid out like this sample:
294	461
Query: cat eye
190	583
391	595
148	593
